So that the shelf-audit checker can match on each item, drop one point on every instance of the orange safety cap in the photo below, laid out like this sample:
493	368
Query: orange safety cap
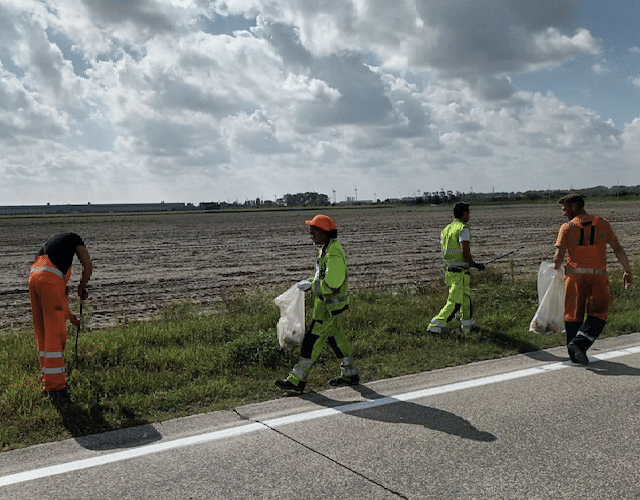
324	222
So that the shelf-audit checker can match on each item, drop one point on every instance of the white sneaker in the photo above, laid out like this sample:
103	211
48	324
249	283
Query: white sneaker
436	329
467	325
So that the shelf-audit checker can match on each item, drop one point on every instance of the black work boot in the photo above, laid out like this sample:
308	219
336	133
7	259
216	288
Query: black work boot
592	328
579	353
287	385
60	397
571	328
343	381
586	336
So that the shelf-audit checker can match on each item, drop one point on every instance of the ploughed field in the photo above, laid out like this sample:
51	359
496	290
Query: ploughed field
144	261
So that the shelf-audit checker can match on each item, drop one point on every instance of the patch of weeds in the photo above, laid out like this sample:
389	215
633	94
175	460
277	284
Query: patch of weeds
237	300
262	350
180	310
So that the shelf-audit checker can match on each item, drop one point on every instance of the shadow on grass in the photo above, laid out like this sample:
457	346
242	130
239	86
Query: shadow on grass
503	340
521	345
90	429
395	411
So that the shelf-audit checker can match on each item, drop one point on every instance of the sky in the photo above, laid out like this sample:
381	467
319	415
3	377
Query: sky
119	101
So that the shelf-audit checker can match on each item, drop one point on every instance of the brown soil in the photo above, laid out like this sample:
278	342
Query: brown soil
144	261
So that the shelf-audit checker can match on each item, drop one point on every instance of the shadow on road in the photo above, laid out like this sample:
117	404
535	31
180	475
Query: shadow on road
546	356
122	438
396	411
597	366
604	367
91	431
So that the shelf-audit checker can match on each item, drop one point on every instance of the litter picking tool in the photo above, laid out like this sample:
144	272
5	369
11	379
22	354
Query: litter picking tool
85	294
504	255
75	352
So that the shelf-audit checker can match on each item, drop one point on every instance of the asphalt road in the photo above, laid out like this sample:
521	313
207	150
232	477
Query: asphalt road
526	427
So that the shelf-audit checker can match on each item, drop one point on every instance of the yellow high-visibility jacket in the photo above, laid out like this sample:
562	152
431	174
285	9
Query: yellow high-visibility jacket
450	244
330	284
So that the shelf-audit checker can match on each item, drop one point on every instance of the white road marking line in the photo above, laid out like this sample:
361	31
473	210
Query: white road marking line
292	419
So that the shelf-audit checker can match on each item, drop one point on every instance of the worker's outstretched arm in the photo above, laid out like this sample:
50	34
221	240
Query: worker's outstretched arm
87	269
627	277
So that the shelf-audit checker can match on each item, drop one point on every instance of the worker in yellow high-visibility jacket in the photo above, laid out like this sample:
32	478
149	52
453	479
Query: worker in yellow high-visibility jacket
455	241
330	288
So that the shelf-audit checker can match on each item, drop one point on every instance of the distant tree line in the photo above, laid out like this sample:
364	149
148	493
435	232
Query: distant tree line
540	195
312	199
306	200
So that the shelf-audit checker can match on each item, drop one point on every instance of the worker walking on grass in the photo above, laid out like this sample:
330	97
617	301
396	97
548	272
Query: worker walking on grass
584	239
455	241
49	296
330	288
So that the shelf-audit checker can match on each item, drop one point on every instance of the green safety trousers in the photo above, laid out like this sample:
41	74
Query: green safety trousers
459	300
318	334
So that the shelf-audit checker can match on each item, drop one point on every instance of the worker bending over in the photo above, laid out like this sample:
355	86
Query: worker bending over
49	296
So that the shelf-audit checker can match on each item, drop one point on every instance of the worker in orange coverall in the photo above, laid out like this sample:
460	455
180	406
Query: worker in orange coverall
49	295
584	238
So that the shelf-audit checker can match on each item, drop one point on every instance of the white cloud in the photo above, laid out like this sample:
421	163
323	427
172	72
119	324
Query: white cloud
477	42
631	135
382	94
600	69
636	81
310	89
24	114
256	133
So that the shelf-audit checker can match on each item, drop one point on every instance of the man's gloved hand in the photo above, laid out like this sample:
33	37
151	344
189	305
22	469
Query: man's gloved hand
75	321
479	267
304	285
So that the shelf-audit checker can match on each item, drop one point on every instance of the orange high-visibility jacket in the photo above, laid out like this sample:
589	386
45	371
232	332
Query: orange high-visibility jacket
586	238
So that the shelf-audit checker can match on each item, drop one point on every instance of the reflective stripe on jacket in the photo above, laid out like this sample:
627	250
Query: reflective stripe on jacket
450	244
50	269
331	283
43	263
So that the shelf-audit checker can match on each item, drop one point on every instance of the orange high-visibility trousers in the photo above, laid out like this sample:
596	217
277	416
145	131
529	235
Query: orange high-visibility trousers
588	292
49	310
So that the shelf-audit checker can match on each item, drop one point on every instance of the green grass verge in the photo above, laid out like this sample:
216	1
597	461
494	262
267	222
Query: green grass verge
190	361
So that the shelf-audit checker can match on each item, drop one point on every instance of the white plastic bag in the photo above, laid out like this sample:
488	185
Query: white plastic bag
549	317
290	326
